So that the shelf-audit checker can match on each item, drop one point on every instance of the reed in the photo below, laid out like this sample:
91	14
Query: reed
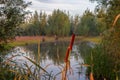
114	23
116	19
69	47
67	62
39	51
12	71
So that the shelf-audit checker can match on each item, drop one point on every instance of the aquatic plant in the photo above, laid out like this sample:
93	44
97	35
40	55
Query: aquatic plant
67	62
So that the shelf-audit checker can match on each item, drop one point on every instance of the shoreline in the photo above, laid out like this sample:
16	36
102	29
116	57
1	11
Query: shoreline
23	40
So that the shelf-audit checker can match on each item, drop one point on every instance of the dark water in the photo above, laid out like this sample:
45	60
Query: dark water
53	54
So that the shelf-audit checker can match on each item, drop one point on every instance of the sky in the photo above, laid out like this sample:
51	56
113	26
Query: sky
75	7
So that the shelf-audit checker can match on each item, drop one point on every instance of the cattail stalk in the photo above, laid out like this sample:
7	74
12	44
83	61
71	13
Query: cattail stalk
70	47
38	51
72	41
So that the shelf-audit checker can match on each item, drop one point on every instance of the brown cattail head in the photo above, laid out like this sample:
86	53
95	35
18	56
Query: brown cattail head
72	41
69	48
67	54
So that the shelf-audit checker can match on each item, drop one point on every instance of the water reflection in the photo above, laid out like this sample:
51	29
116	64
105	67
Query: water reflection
53	52
52	55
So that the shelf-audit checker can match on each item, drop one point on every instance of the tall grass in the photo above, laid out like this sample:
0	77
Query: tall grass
9	70
104	66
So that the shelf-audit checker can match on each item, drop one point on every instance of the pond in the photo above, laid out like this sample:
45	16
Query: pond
52	58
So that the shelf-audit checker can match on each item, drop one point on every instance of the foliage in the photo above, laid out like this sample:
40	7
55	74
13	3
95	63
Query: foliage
11	70
12	14
87	26
87	48
102	64
61	24
4	69
107	55
111	43
111	8
108	51
35	25
40	24
58	23
100	21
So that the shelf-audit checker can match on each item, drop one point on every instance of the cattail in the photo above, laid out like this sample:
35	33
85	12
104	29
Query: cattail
72	41
91	76
70	47
67	54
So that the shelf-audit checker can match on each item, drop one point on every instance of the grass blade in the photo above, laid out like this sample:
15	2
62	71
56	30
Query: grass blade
36	64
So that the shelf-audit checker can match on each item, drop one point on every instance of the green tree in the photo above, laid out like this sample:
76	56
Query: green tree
12	14
112	9
58	23
76	22
43	23
71	25
87	25
35	25
100	21
102	64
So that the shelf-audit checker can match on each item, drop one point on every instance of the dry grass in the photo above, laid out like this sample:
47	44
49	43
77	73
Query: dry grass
116	19
35	39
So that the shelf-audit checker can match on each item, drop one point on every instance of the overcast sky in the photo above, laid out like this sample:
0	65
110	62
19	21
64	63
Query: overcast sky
73	6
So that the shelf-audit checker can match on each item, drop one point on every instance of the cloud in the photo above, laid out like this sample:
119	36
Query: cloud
73	6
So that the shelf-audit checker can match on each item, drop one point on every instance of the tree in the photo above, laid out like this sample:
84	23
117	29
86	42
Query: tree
87	25
112	9
76	22
58	23
12	14
43	23
100	21
35	25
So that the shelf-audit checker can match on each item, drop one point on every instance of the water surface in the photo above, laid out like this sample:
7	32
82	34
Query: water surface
52	55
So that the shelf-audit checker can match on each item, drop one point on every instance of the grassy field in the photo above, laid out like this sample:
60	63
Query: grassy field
35	39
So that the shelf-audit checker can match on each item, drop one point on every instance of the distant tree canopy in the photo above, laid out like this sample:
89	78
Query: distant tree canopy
12	14
61	23
91	24
87	25
58	23
35	25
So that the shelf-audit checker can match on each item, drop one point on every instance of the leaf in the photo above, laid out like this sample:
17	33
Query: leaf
36	64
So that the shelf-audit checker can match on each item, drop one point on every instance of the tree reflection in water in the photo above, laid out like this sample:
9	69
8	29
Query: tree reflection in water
52	58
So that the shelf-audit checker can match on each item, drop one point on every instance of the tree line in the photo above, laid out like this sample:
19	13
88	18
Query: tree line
60	23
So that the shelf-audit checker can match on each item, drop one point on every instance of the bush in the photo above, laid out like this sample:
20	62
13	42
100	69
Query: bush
102	64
